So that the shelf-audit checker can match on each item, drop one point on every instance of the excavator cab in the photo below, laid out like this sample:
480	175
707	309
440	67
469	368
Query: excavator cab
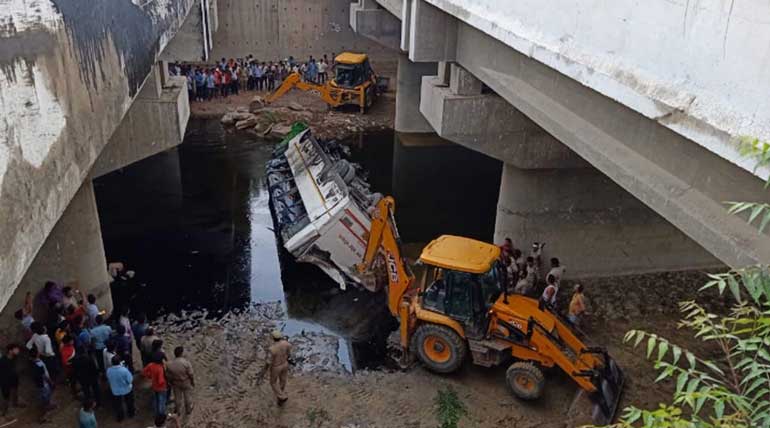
462	296
352	70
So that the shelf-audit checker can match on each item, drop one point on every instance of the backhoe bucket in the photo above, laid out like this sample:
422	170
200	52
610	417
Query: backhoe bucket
609	390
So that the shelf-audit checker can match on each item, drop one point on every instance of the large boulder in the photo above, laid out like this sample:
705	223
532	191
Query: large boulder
256	104
248	122
296	106
280	130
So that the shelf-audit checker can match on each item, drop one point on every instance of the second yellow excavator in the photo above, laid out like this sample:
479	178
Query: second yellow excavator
354	83
459	305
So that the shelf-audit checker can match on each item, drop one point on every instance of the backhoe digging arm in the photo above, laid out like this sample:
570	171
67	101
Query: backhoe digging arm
383	236
294	80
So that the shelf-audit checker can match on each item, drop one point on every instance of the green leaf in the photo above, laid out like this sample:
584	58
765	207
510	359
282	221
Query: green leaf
662	349
690	358
650	346
764	223
692	384
719	408
758	208
734	288
677	351
680	381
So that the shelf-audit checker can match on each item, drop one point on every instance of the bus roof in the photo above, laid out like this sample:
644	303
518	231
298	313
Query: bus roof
459	253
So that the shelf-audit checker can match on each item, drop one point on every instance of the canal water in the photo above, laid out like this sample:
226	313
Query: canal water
194	224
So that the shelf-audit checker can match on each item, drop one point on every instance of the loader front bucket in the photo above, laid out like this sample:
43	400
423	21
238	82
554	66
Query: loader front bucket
609	386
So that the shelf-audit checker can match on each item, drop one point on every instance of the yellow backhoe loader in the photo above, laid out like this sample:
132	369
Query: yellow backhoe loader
459	305
354	83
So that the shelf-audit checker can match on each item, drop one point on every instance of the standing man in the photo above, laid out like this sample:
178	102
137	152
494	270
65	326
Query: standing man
86	373
42	343
92	311
557	270
550	292
43	383
577	306
182	381
156	373
24	315
99	336
121	385
123	347
279	366
9	378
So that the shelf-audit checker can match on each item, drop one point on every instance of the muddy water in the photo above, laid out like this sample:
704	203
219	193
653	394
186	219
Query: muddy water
195	225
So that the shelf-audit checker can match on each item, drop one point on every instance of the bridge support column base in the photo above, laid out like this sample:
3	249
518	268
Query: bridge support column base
591	224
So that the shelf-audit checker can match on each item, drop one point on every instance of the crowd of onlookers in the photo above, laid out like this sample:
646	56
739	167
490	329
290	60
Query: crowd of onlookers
523	276
74	345
230	77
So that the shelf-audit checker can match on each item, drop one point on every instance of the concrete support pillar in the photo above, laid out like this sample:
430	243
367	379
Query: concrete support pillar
432	33
461	82
73	252
591	224
409	80
442	77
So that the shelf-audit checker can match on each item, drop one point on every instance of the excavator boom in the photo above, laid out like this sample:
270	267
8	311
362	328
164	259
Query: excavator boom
384	240
294	80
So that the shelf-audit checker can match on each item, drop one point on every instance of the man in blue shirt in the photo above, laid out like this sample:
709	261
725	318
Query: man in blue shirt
99	336
121	385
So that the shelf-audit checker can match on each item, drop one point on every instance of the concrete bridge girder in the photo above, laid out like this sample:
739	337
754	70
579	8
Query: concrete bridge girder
681	181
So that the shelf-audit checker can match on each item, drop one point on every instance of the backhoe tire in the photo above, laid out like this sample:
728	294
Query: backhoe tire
525	380
439	348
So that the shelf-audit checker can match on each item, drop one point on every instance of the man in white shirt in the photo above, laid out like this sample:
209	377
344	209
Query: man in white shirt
557	270
322	66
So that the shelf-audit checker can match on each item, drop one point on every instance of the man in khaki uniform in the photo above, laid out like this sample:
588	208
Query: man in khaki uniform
279	366
179	373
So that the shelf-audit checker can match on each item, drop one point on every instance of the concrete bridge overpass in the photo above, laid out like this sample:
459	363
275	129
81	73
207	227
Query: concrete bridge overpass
589	103
84	90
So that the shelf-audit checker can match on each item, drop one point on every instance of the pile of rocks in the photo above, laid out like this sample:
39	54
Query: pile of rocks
275	121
